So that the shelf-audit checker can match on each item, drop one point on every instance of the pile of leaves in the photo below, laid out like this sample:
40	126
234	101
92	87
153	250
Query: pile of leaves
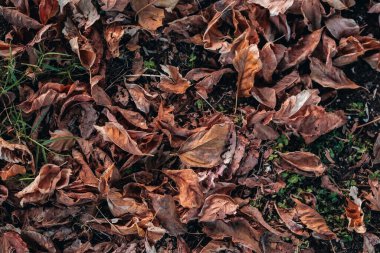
188	126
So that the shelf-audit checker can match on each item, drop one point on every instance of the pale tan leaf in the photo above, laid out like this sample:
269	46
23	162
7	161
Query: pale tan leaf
275	7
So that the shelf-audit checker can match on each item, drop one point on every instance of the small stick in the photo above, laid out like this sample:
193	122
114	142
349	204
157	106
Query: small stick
206	101
369	123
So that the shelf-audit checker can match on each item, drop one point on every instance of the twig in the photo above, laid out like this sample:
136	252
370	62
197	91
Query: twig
206	101
369	123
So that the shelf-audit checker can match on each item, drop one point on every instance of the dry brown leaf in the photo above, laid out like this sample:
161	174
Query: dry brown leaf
113	35
312	12
340	4
16	153
3	193
166	213
12	170
275	7
370	241
173	82
167	4
19	19
238	229
206	79
355	216
305	162
8	50
61	140
326	183
116	133
132	117
85	13
217	207
376	150
150	17
120	206
204	149
11	241
247	63
50	178
330	76
374	196
265	96
140	96
374	61
288	216
299	52
349	50
47	10
314	221
114	5
190	192
341	27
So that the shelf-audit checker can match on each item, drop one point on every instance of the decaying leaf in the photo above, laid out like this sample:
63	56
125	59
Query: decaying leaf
376	150
50	178
275	7
61	140
116	133
304	162
340	4
217	207
12	170
247	63
299	52
16	153
355	217
174	82
329	76
190	192
19	19
314	221
204	149
150	17
374	196
342	27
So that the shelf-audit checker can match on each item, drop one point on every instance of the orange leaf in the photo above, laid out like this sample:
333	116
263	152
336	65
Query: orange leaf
355	217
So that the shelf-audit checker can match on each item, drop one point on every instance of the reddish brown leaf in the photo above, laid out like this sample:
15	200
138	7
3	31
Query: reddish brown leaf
340	4
116	133
19	19
299	52
314	221
174	82
3	193
12	170
330	76
355	216
342	27
16	153
150	17
47	10
50	178
12	242
61	140
190	192
114	5
217	207
113	35
204	148
275	7
288	216
247	63
312	12
8	50
305	162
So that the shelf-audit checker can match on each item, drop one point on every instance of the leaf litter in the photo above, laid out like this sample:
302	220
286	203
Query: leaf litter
189	126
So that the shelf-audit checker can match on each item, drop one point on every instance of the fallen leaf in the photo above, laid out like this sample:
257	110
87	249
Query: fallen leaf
275	7
374	196
120	206
114	5
165	209
341	27
326	183
355	216
374	61
61	140
167	4
238	229
329	76
8	50
19	19
47	10
304	162
16	153
247	63
340	4
303	49
113	35
149	16
11	241
141	97
370	241
190	192
288	216
376	150
12	170
349	50
314	221
265	96
116	133
50	178
174	82
312	12
3	193
217	207
204	149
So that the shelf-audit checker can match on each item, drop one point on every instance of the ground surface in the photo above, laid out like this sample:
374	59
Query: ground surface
121	129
